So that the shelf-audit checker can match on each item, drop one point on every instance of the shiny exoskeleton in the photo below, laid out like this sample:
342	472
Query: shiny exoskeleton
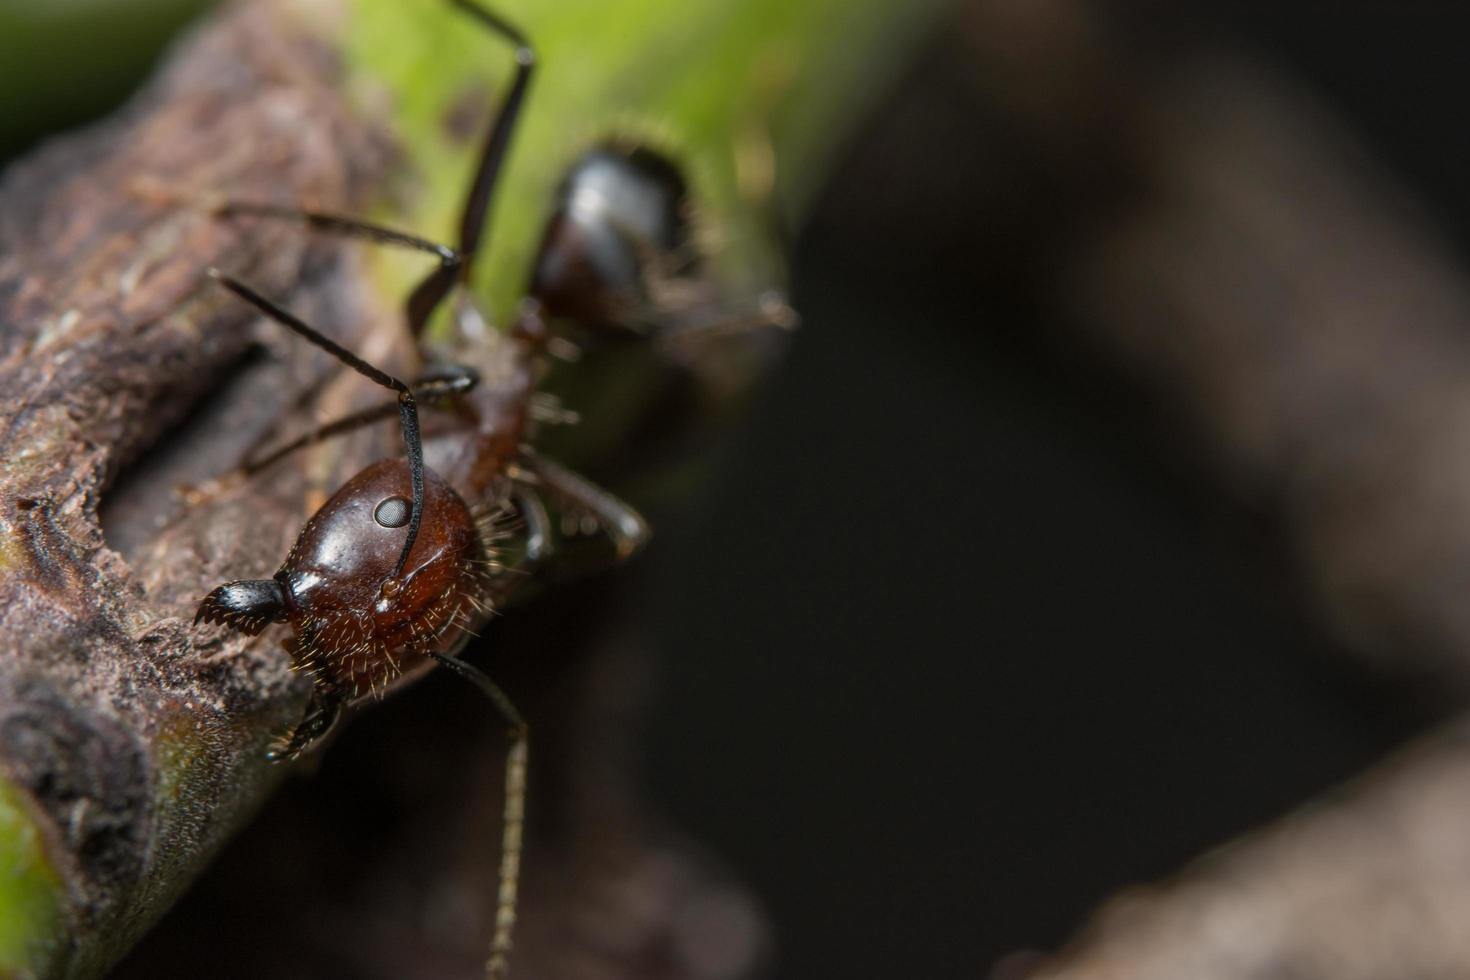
622	221
346	625
390	572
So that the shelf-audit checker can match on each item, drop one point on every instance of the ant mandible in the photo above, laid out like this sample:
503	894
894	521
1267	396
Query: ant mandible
401	555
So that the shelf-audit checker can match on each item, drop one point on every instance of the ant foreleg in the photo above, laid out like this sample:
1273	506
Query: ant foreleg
253	464
621	523
434	386
321	714
516	761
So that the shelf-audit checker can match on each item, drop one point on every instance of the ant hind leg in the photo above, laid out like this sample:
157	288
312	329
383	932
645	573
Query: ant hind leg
626	528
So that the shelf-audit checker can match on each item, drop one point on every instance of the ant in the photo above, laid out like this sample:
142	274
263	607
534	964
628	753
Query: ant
387	576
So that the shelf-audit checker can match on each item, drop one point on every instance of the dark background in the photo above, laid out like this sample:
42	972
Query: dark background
962	641
959	639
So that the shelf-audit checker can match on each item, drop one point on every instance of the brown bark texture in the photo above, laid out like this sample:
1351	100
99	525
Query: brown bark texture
1371	883
109	339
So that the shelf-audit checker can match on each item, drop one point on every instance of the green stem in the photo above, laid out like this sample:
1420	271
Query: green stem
753	96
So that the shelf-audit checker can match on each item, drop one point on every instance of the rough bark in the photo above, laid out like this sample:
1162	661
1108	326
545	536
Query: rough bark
131	745
132	741
1372	883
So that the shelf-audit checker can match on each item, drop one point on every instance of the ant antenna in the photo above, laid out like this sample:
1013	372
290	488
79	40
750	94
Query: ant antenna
408	412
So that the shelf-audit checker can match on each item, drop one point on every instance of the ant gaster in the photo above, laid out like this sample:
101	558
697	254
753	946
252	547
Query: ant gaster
401	555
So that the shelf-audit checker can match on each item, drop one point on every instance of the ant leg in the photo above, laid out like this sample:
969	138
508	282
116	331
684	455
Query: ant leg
497	141
446	381
431	387
454	263
408	413
538	524
771	311
253	463
622	524
429	293
321	714
337	224
514	819
418	308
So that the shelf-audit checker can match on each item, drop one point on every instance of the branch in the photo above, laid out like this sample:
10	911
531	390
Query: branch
131	747
130	751
1367	884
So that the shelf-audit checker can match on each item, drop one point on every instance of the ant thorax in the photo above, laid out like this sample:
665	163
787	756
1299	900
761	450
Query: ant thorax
475	441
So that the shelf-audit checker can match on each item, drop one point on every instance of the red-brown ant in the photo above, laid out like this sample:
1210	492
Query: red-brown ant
389	566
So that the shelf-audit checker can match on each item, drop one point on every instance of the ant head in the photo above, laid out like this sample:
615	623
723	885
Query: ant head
620	209
337	589
339	581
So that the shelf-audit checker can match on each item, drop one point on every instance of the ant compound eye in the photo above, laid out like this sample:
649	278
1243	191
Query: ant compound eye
393	512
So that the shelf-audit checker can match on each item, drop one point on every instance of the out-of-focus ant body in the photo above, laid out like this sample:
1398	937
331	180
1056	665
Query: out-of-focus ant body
392	570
